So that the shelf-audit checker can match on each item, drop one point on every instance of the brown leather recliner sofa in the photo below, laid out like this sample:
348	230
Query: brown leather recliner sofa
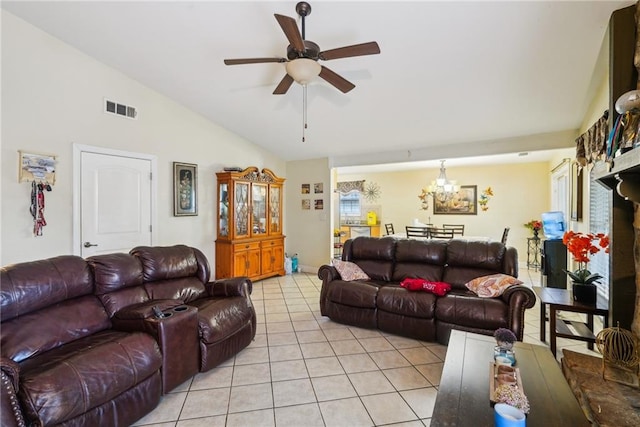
383	304
81	346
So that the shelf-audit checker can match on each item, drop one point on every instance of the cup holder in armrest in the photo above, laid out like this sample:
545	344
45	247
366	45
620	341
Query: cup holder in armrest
167	314
180	308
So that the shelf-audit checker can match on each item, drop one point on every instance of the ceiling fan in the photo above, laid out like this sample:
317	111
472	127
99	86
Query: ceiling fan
302	58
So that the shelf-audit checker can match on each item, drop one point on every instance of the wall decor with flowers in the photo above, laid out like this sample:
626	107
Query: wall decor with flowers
485	196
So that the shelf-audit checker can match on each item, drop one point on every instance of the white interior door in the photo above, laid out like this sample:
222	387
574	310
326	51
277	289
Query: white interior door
115	203
560	189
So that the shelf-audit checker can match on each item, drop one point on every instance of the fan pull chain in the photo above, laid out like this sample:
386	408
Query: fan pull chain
304	111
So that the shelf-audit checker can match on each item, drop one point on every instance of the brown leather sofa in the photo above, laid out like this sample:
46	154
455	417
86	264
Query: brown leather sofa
80	345
381	303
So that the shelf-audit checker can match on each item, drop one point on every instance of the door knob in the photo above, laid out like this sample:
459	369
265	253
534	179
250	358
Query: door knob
89	244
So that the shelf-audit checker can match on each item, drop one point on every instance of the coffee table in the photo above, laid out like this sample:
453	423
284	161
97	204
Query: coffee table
463	395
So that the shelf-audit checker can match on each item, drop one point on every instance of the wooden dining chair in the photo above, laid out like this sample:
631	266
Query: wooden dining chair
441	233
420	232
505	234
389	228
457	228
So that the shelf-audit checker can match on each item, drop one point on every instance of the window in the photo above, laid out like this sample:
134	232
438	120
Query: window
350	204
599	208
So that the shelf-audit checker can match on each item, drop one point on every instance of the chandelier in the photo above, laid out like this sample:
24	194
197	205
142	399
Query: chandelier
442	190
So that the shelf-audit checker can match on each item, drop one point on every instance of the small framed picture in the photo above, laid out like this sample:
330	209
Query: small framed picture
319	204
185	189
306	188
317	188
306	204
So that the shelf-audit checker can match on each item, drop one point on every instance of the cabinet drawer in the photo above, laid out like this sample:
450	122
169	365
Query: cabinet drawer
246	246
271	243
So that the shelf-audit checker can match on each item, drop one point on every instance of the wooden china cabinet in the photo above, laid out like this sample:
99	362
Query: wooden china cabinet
249	227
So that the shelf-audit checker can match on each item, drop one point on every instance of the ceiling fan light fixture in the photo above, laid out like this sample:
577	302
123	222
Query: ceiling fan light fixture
303	70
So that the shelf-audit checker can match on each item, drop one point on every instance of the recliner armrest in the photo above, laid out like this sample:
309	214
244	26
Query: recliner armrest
518	298
233	287
328	273
10	410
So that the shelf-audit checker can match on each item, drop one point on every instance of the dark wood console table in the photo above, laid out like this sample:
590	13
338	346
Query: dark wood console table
562	300
463	395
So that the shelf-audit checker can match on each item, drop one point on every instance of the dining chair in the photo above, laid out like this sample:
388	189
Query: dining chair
389	228
441	233
505	233
457	228
421	232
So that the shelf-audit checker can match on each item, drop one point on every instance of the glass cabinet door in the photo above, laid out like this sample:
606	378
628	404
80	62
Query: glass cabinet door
241	206
274	210
223	210
259	209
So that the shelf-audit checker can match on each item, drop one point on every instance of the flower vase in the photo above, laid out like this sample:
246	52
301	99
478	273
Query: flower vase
504	356
535	233
585	294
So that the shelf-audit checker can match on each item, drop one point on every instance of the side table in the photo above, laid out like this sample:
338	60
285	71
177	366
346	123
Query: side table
533	252
562	300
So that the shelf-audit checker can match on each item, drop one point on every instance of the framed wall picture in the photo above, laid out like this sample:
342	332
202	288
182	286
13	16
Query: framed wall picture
185	189
306	204
318	204
462	202
318	188
305	189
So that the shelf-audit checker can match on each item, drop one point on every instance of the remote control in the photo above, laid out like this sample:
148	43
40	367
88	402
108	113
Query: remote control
157	312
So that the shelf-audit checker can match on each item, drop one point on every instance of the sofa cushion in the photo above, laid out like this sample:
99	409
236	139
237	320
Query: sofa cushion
172	262
118	280
397	300
373	255
186	289
70	380
467	260
43	330
354	294
491	286
30	286
423	259
220	318
467	309
349	271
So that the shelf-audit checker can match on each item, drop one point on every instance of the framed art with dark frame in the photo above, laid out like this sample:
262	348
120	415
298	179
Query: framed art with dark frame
463	202
185	189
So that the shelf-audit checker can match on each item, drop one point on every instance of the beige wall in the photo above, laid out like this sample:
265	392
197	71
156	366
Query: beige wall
521	193
309	231
52	97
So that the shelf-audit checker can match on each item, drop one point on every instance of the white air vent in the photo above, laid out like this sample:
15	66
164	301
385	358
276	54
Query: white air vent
113	107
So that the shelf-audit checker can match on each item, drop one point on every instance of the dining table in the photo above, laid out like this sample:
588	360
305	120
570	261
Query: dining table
403	235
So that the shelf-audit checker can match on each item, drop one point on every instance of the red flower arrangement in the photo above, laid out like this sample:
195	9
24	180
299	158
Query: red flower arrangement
534	225
581	246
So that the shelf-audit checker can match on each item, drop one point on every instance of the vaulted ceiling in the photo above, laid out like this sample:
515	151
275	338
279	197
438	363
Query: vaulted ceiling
453	78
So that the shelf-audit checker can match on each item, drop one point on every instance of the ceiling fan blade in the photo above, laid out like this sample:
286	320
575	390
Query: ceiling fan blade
339	82
370	48
284	85
252	61
290	28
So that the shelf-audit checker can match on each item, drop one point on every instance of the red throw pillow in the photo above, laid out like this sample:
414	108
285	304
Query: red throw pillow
437	288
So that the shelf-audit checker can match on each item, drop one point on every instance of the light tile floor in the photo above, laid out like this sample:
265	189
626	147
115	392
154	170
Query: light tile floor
303	369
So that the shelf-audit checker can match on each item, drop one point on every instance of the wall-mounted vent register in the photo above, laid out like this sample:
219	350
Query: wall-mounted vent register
113	107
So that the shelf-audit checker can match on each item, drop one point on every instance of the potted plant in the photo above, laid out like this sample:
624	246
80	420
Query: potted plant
535	226
582	246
